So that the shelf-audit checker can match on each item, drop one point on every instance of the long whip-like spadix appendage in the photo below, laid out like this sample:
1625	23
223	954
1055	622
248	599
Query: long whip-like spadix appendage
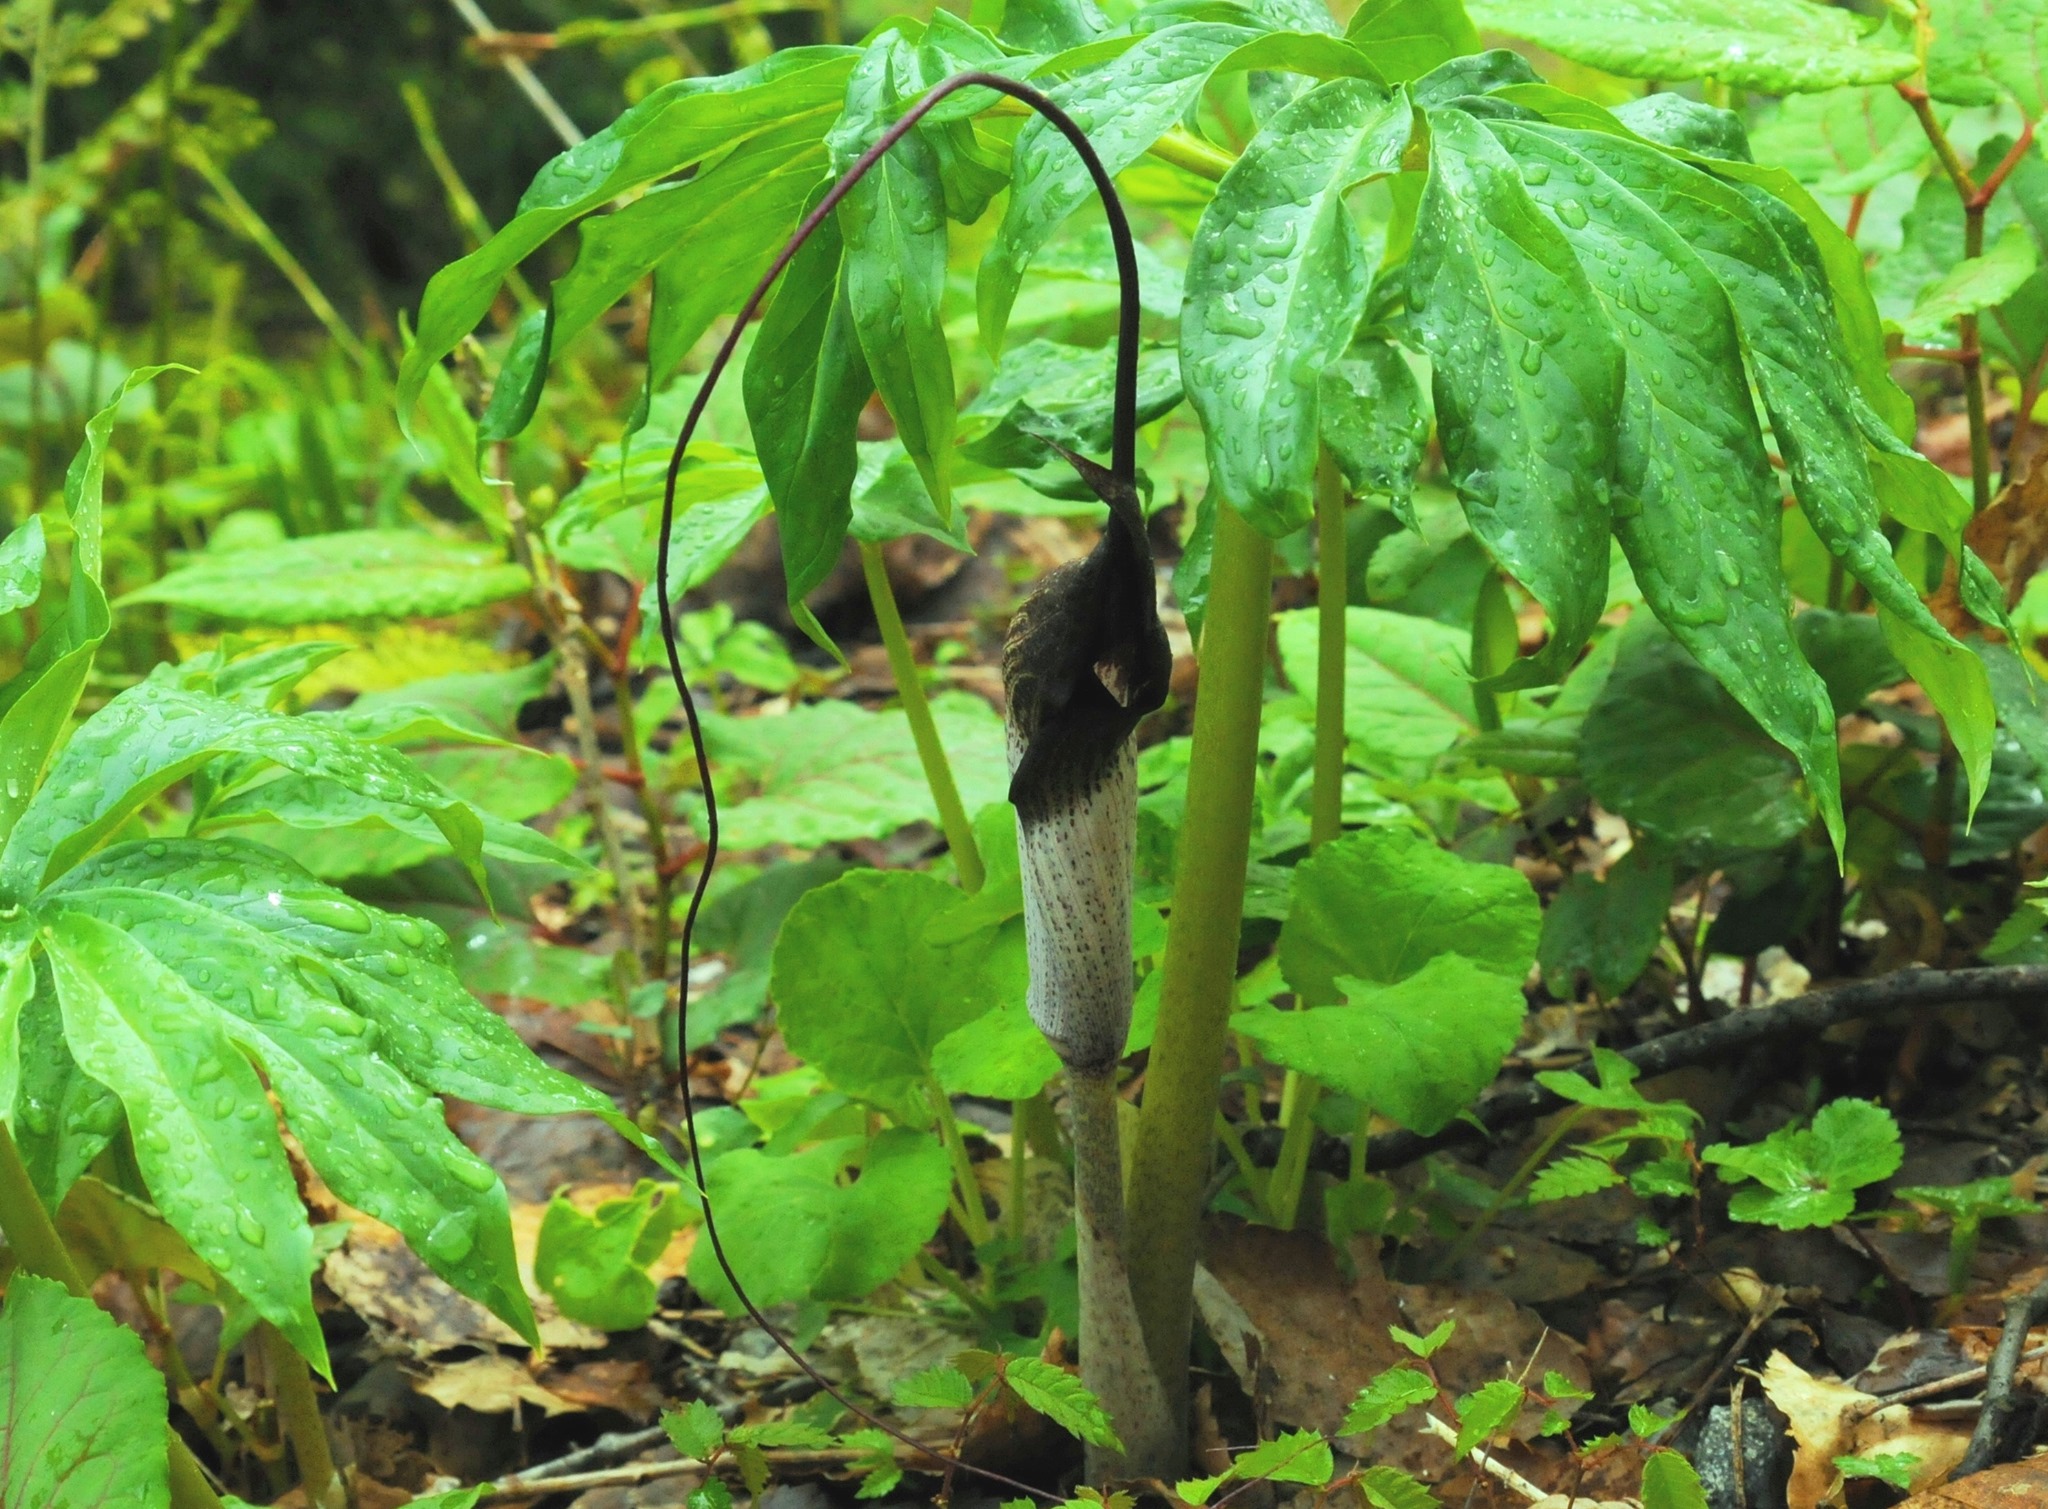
1091	660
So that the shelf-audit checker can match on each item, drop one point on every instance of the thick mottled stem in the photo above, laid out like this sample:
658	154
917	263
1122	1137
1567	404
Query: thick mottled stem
1114	1363
1170	1162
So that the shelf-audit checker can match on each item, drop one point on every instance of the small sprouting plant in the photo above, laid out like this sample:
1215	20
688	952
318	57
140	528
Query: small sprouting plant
1809	1176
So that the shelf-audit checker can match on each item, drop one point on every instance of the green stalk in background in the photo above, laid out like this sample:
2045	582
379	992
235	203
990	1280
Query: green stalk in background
39	1250
1170	1163
1298	1095
938	771
298	1416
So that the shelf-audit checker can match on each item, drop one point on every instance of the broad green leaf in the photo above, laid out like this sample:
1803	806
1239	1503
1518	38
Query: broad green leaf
1001	1054
792	1231
1125	104
202	1128
1697	507
1777	46
829	771
358	573
940	1387
1059	1396
865	996
1485	1412
157	733
81	1406
38	715
608	521
1669	1482
806	382
1843	141
1667	748
594	1264
17	988
1389	1396
1810	1175
1528	379
1849	651
447	438
742	923
1985	50
1380	904
1375	422
1045	394
85	479
677	125
1407	698
1977	283
1607	928
1405	39
63	1117
1275	288
1297	1456
1051	26
1417	1051
21	566
893	224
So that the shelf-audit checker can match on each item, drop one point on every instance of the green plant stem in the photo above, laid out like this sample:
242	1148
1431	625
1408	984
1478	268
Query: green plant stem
461	203
938	772
1170	1162
1015	1225
666	23
1298	1094
241	216
973	1214
1509	1190
654	959
167	187
38	126
39	1250
298	1414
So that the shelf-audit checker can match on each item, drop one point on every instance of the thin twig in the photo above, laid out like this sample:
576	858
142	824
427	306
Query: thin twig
528	81
2021	1311
1935	1387
525	1486
1497	1470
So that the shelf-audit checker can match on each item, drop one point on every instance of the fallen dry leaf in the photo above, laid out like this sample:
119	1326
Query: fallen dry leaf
1829	1419
2012	1486
494	1385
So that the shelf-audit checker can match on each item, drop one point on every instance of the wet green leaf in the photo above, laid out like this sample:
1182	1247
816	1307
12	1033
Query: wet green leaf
1275	288
1528	380
1778	46
1405	39
1977	283
1375	422
1983	53
81	1406
21	565
354	574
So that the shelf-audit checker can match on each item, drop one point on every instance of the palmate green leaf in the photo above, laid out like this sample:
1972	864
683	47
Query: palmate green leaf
1977	283
1667	748
806	381
1810	1175
81	1406
201	1125
1777	46
1696	506
21	565
829	771
792	1231
374	1133
1417	1051
1059	1396
157	733
706	241
1444	904
1276	286
1529	381
674	127
864	995
357	573
1125	104
1843	141
1405	39
1407	697
893	224
1982	52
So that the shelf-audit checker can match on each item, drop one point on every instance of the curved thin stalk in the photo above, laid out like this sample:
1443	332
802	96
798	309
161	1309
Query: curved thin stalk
1170	1163
938	770
33	1236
